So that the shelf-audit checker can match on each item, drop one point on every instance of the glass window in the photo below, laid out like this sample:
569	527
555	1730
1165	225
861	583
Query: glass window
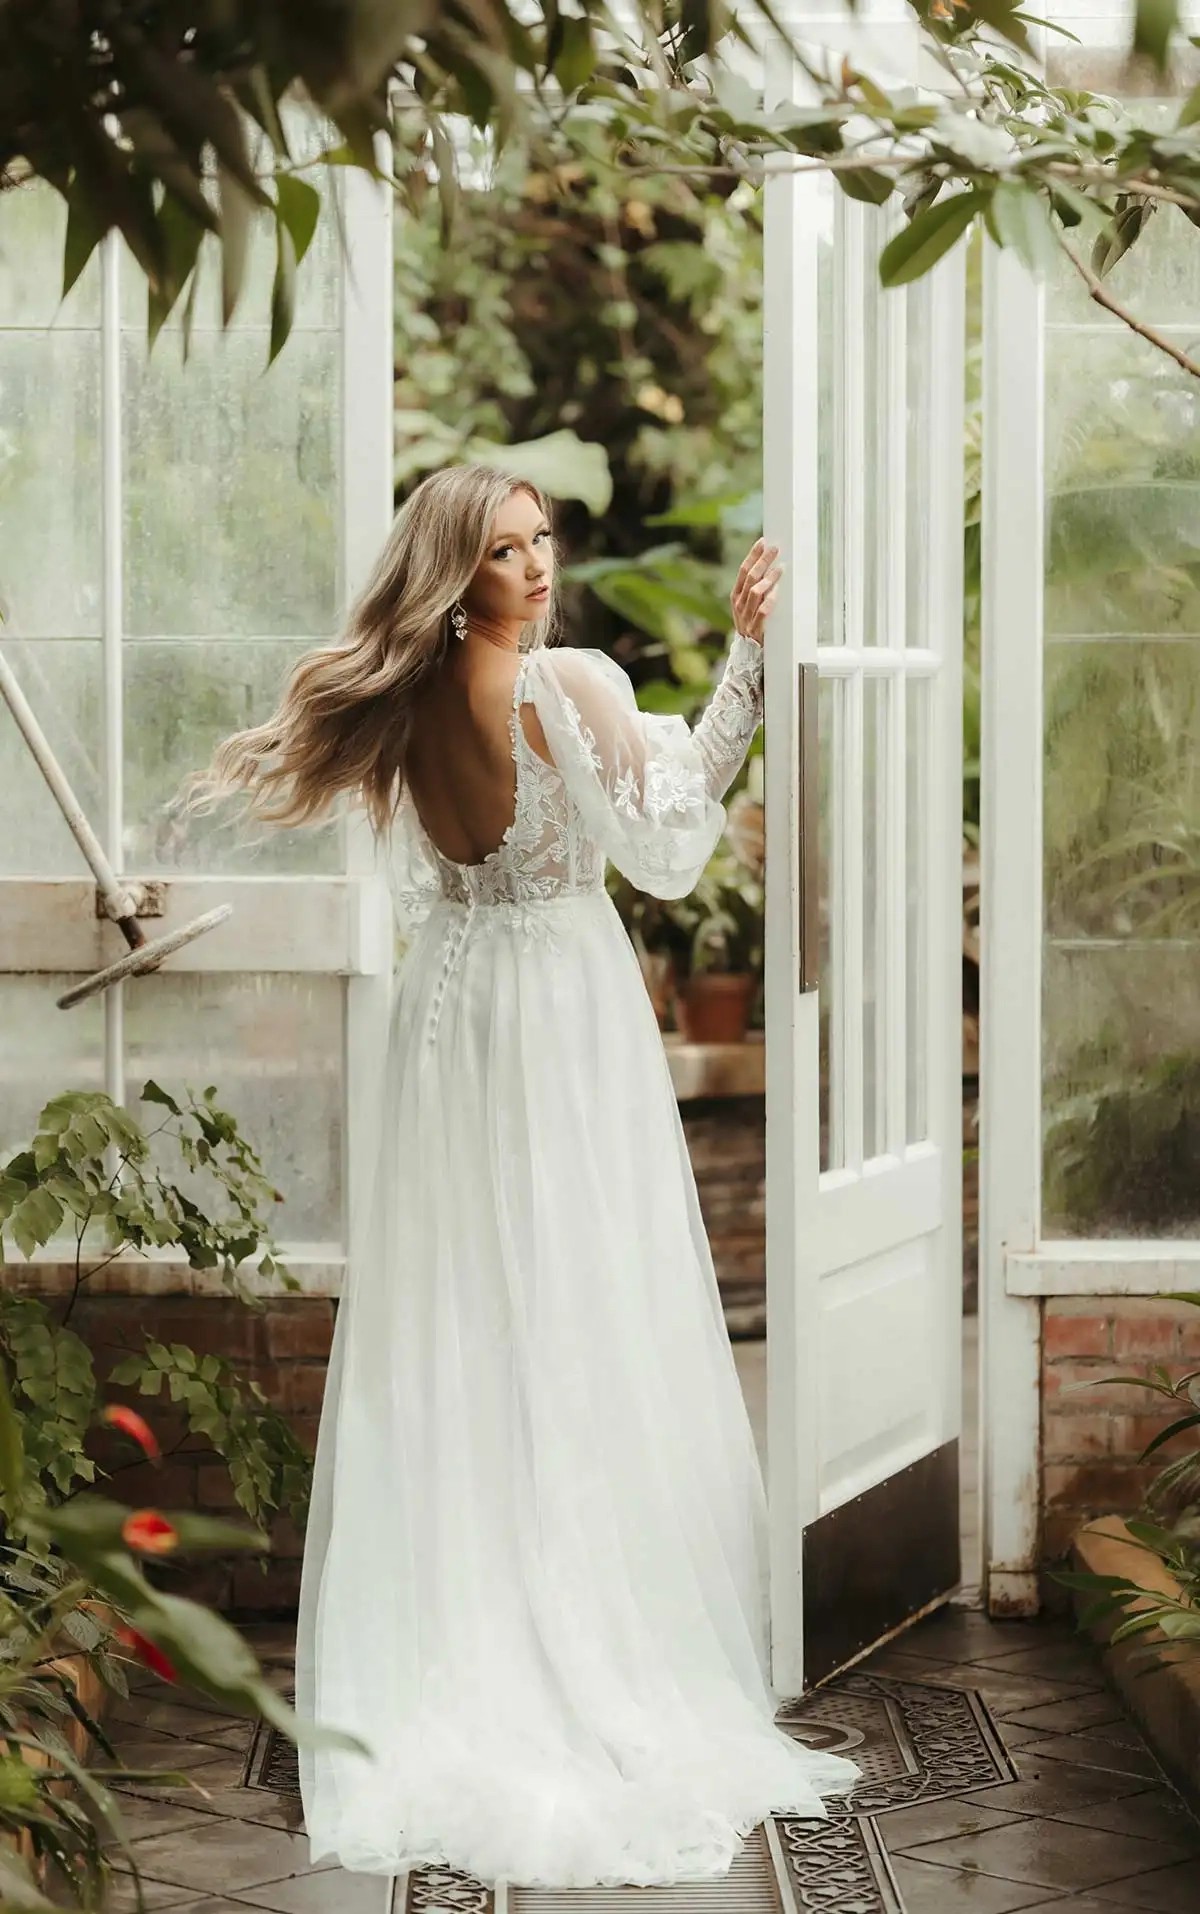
1121	812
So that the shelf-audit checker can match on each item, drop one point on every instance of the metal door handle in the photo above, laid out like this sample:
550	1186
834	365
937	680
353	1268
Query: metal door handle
809	846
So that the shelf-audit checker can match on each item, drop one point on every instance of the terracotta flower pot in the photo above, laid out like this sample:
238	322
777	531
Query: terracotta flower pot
713	1006
658	969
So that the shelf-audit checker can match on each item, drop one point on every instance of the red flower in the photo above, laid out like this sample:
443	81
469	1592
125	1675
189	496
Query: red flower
149	1531
122	1417
146	1651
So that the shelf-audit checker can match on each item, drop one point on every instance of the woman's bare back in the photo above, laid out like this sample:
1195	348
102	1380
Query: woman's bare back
460	764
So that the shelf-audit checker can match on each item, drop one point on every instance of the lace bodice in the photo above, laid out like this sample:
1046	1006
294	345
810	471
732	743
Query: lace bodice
640	788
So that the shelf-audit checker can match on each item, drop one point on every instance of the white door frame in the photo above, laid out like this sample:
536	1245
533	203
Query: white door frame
1010	891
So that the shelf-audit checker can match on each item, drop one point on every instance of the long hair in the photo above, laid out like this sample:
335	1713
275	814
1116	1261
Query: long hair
345	716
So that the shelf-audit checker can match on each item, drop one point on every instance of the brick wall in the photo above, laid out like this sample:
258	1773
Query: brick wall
726	1138
1093	1429
284	1348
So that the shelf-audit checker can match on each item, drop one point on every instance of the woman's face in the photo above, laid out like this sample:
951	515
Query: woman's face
515	577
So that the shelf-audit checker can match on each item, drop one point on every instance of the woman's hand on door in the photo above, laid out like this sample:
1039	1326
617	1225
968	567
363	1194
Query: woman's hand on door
753	594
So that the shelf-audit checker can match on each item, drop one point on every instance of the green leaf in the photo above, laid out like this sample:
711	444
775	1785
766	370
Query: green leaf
1154	23
155	1093
236	211
182	234
1119	235
1019	218
85	230
35	1221
562	463
574	59
18	1891
862	182
919	245
1165	1435
283	291
12	1446
298	205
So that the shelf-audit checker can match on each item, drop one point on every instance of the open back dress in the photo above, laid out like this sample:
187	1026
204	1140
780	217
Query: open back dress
535	1567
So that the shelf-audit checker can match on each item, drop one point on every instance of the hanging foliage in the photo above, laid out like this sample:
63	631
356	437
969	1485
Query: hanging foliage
165	119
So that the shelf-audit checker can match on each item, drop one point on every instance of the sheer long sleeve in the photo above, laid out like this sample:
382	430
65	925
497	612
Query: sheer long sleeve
647	786
404	858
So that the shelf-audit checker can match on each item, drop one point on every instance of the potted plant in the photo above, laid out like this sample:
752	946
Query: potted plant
722	920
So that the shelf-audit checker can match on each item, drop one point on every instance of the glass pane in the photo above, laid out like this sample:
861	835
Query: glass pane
45	1050
231	472
874	867
916	868
1123	487
917	490
829	739
272	1044
180	699
878	503
62	681
1121	1090
50	482
1121	811
1120	1002
33	227
830	403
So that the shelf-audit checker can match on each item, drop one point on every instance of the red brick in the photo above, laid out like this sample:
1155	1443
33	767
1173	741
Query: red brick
1130	1434
303	1385
1087	1389
1076	1336
1096	1486
214	1490
1058	1528
255	1592
287	1540
1189	1334
1153	1335
300	1328
1077	1438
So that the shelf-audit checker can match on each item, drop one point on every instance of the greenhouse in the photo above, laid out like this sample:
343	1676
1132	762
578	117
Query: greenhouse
911	289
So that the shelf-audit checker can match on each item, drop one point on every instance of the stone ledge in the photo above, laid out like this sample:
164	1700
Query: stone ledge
717	1069
1164	1701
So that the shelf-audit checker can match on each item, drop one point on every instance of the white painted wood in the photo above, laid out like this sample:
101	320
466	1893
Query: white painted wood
306	924
112	623
1118	1266
864	1259
792	1134
1010	923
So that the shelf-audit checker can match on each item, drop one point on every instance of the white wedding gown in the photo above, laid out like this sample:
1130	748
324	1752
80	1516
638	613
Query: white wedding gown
535	1571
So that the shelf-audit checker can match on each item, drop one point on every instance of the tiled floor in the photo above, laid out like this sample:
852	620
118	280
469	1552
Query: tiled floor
1074	1817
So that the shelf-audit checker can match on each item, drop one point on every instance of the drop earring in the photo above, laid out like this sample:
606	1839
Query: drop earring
458	618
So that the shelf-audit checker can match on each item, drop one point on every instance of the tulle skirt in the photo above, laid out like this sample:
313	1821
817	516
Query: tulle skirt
535	1571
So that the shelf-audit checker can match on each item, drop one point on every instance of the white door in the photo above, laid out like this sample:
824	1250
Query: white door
863	492
175	535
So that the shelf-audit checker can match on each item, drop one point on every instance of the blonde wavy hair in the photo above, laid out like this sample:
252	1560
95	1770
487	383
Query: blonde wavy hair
345	715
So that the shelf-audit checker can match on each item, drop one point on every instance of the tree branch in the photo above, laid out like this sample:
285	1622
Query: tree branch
1100	293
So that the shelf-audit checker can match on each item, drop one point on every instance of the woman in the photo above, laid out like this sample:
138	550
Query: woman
535	1576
